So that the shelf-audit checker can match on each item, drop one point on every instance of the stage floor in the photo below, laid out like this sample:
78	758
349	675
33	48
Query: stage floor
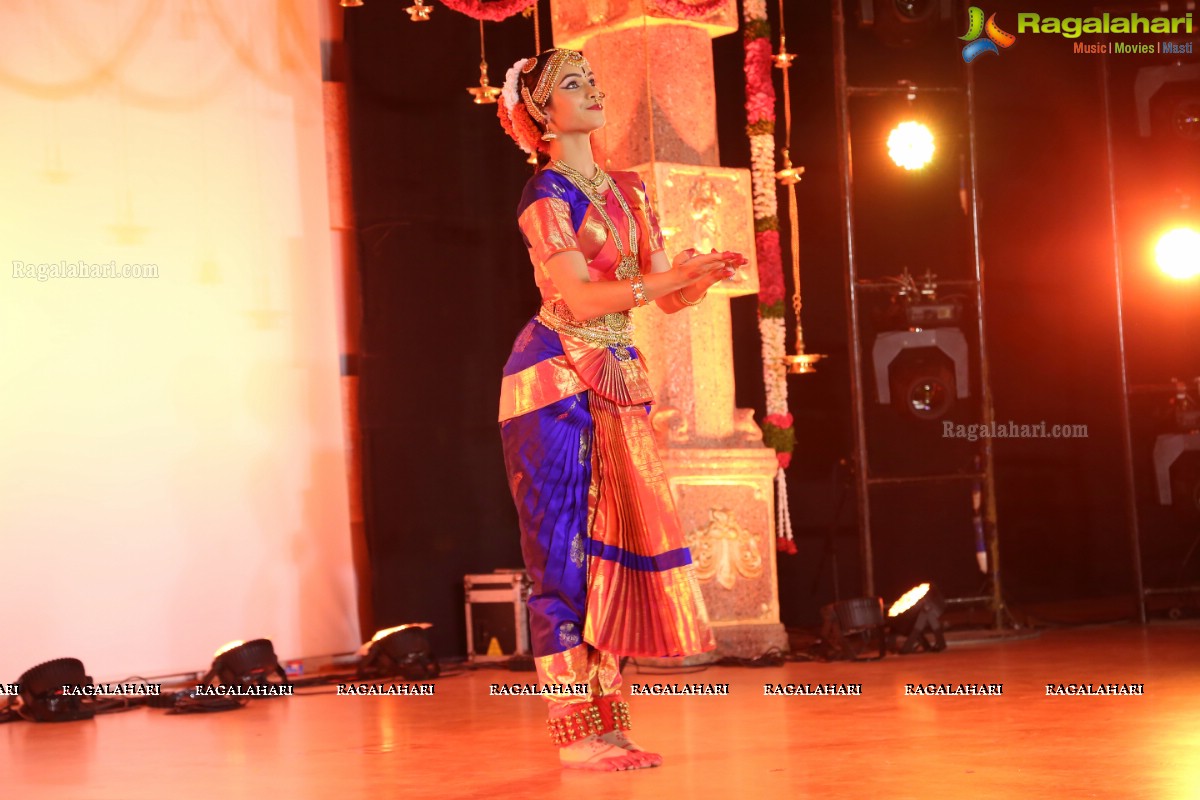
464	743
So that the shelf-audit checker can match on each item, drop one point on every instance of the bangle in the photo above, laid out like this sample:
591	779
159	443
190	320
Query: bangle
639	291
687	302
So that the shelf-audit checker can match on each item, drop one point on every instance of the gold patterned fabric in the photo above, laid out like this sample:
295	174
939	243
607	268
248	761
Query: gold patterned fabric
643	595
571	667
619	374
600	670
547	224
538	386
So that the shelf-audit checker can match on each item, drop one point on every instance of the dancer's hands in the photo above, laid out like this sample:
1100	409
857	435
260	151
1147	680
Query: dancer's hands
704	270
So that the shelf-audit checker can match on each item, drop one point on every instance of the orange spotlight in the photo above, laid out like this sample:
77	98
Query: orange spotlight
1178	253
910	144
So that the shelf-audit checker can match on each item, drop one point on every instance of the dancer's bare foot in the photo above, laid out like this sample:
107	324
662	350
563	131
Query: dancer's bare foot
619	739
593	753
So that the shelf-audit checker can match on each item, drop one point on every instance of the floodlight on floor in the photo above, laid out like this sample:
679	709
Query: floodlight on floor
401	650
246	664
852	627
917	619
43	696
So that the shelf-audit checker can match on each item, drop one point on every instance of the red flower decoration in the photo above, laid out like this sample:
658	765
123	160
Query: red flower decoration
779	420
770	267
693	11
521	128
760	92
493	11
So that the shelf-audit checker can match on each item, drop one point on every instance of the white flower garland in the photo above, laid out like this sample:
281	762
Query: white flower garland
773	330
774	337
762	165
511	93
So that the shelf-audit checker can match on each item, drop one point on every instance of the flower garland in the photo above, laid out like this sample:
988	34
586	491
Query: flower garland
520	126
677	9
514	116
499	10
778	430
494	11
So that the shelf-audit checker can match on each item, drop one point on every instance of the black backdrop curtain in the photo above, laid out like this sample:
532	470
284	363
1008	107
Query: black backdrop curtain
446	285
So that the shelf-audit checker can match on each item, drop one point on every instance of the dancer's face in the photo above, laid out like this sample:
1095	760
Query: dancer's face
575	104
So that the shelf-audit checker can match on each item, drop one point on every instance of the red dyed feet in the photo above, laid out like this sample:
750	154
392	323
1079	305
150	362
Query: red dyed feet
596	754
619	739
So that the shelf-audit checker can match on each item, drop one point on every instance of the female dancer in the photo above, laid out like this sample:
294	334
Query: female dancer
599	531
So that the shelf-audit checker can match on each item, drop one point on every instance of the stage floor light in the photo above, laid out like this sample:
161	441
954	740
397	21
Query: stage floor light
402	650
1178	253
910	145
917	617
41	692
853	627
251	663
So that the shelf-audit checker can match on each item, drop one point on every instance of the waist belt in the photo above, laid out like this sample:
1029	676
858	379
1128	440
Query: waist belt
608	330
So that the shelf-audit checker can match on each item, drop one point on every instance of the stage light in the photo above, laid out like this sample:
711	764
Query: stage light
852	627
1177	452
1178	253
1167	98
921	364
350	3
913	9
910	145
1185	119
403	650
917	617
904	23
41	692
251	663
923	384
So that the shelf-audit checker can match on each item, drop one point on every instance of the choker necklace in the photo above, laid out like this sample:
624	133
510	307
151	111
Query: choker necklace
593	186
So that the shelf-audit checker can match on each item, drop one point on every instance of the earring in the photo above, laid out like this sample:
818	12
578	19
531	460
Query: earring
549	136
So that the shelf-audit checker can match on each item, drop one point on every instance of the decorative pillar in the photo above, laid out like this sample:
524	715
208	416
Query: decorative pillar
657	69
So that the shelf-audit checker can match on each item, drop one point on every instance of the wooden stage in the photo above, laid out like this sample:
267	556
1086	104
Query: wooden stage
464	743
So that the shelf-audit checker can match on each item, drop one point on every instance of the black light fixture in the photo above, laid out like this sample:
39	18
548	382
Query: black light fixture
922	384
904	23
42	696
917	617
921	357
1168	101
402	650
852	627
1177	451
246	664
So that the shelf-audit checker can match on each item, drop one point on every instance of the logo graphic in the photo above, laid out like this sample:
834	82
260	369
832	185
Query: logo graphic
996	38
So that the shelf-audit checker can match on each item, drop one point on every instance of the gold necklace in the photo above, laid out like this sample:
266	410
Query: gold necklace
594	183
627	266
